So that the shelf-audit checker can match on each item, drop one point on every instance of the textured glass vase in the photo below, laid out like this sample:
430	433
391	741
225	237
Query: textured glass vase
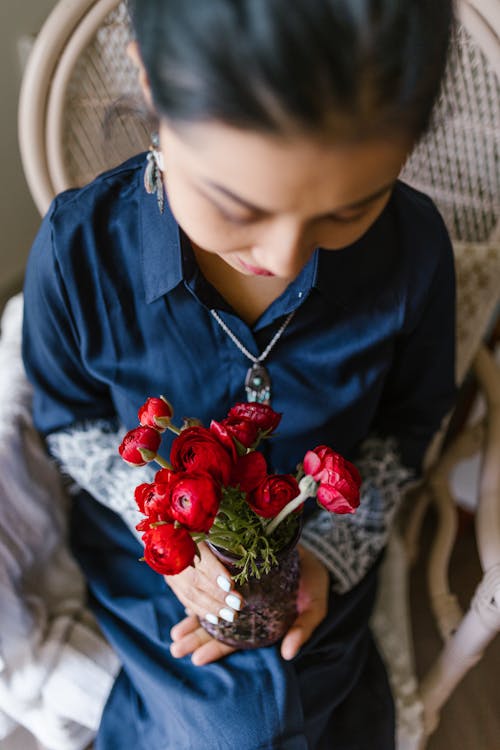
270	603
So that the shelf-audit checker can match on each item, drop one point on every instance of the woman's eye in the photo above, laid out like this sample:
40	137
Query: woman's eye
252	218
240	220
346	218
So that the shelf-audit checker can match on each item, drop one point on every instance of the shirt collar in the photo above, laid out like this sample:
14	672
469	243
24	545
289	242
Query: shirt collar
161	255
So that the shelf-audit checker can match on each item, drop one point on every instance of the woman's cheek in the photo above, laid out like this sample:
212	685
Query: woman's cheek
338	236
202	224
211	232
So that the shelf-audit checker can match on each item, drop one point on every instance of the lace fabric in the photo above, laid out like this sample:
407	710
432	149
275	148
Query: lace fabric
87	452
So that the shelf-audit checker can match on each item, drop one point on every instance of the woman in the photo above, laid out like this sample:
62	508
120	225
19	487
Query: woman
267	223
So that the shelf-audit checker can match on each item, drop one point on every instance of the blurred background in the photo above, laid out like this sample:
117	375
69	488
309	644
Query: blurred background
20	21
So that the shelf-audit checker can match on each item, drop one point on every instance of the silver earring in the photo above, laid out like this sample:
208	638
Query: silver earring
153	181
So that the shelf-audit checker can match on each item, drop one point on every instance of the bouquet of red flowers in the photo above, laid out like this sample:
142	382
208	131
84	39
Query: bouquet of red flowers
216	487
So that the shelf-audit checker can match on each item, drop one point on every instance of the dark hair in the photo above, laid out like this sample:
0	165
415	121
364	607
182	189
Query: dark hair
323	66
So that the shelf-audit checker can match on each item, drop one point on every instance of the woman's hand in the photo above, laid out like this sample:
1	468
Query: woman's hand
190	638
206	592
312	603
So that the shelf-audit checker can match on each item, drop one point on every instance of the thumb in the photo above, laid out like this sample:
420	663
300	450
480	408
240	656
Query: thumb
299	633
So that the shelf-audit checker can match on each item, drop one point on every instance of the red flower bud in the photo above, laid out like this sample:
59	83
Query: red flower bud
339	480
164	476
261	415
249	471
168	550
197	450
156	413
194	501
154	500
244	432
139	446
272	494
343	497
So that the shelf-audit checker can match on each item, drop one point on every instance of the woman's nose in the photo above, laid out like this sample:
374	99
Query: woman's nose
283	249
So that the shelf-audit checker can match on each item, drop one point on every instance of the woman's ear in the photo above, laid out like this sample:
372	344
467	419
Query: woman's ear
135	55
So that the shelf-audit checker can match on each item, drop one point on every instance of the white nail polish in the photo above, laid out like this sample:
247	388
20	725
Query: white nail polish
212	619
224	583
233	602
226	614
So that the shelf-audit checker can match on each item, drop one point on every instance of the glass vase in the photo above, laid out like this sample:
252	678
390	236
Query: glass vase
270	602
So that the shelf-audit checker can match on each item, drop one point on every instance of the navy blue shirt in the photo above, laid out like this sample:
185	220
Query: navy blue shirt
116	310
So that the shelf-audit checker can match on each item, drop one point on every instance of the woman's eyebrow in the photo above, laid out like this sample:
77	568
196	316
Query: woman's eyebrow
263	211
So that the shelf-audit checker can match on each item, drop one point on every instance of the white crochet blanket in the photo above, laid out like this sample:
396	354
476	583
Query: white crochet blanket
56	669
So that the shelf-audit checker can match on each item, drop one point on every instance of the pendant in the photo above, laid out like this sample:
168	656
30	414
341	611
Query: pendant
258	385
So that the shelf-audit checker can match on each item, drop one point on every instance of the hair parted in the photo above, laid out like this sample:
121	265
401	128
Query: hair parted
350	67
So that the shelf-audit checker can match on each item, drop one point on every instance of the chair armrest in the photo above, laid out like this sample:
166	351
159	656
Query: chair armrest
488	514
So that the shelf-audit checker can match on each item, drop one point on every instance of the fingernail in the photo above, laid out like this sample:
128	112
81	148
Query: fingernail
233	601
226	614
212	619
224	583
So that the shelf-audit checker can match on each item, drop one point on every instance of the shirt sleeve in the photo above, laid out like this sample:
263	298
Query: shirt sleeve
64	389
420	387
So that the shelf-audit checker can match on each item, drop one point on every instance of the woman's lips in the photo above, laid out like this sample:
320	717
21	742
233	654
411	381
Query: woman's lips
255	269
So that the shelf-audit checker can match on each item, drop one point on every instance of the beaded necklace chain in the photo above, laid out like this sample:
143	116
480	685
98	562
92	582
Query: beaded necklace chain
257	380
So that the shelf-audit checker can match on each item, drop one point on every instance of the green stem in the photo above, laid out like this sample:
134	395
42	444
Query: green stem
173	429
161	461
230	515
308	488
225	540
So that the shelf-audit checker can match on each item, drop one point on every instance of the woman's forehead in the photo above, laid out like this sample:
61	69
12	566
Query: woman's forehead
277	174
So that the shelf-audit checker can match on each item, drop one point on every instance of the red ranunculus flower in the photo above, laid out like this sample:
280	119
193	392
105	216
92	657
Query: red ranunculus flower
194	500
154	500
339	480
245	432
272	494
196	449
144	526
164	476
168	550
249	471
139	446
261	415
156	413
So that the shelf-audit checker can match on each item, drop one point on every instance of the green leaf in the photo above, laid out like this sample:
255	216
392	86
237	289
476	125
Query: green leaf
240	532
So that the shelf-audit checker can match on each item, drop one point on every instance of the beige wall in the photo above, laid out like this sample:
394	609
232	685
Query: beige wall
18	216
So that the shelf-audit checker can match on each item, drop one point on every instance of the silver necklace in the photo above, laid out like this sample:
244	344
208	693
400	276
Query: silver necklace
257	380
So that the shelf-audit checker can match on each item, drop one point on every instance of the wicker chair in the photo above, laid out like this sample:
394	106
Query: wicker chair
78	72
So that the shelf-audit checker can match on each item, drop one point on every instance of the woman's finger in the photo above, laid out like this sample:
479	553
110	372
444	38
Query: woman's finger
211	651
312	603
300	632
184	627
201	645
211	576
207	589
188	643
